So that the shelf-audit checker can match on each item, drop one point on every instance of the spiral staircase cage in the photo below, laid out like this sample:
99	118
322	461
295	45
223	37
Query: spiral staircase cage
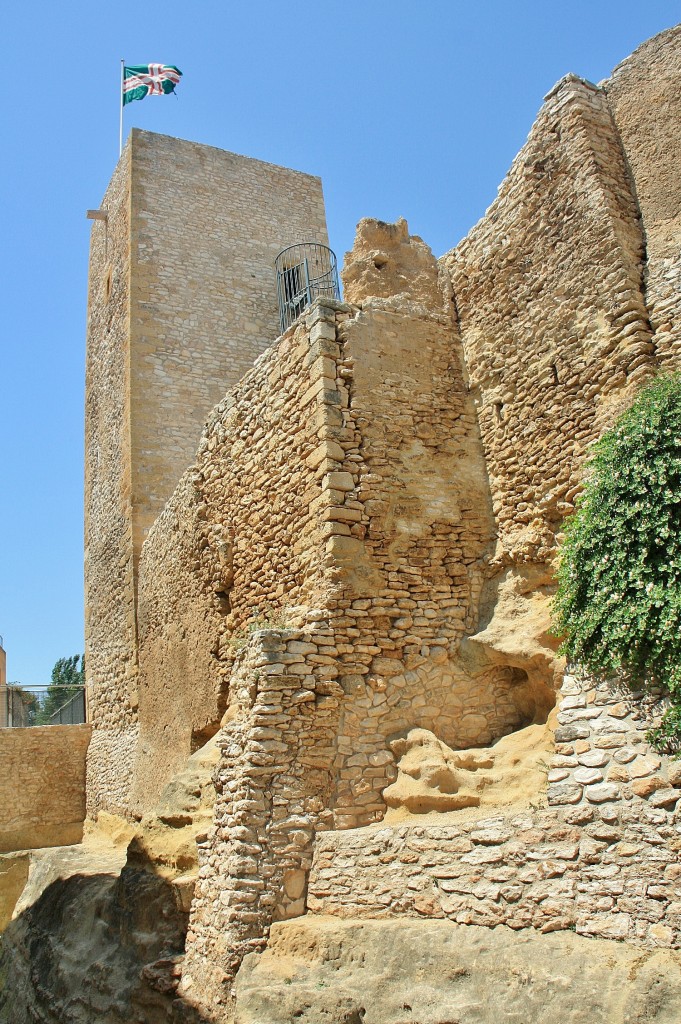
304	272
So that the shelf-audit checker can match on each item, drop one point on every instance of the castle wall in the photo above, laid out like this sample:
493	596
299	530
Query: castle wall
206	226
549	293
645	99
364	542
601	859
240	545
42	786
399	493
411	575
344	473
110	627
182	299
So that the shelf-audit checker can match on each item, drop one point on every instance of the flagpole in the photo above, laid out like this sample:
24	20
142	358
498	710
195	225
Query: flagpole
120	134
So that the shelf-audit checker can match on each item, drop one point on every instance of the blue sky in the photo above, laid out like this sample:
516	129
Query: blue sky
404	109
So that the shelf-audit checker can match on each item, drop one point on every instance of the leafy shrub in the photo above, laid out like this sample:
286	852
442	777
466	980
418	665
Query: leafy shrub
619	581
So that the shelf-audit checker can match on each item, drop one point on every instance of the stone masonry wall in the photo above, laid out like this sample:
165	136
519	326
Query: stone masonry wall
42	786
597	852
311	710
344	473
644	94
240	545
549	293
110	642
413	556
182	298
274	785
206	226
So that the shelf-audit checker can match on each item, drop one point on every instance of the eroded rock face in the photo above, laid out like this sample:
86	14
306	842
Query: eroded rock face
434	972
13	875
386	262
433	777
92	940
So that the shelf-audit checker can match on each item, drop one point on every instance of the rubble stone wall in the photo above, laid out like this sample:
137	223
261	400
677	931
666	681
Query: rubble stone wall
597	852
42	786
240	546
549	293
392	505
274	784
418	533
645	99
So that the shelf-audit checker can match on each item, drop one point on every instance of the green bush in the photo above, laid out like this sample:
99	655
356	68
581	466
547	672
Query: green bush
618	604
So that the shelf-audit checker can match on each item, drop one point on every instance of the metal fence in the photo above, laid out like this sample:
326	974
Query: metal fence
71	713
304	272
24	706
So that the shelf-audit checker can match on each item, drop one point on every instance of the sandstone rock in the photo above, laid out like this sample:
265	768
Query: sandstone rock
13	877
587	776
593	758
434	972
92	940
664	797
430	777
644	787
565	794
601	793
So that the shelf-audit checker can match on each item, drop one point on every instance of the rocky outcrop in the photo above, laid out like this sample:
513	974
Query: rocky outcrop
92	939
96	932
13	876
433	972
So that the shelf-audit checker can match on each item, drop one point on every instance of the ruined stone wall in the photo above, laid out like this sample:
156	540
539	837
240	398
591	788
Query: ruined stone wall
345	474
340	502
411	575
549	293
42	786
600	859
274	784
645	98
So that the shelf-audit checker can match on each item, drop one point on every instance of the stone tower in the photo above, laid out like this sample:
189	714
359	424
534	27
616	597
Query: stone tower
182	298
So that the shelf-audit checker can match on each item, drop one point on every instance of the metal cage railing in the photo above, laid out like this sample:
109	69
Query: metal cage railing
304	272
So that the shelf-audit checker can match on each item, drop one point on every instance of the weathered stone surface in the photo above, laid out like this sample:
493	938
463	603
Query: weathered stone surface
320	969
42	786
378	501
386	262
13	876
96	938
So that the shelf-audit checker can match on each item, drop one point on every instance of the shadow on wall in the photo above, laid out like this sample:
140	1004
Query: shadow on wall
100	947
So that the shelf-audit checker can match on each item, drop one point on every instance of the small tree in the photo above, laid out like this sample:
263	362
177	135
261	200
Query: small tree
66	681
619	595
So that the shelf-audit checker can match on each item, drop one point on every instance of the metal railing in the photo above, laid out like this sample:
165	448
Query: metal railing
24	706
304	271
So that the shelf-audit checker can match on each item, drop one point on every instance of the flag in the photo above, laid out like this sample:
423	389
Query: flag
149	80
